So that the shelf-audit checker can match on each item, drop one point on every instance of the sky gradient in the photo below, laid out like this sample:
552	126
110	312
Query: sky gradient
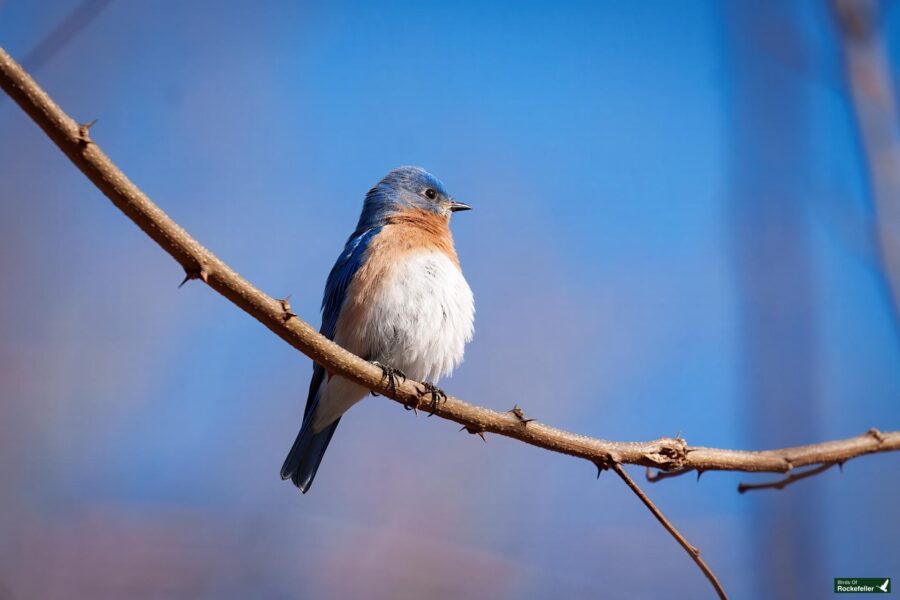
635	194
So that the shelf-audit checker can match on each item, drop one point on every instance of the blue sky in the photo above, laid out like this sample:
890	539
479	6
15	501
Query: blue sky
596	142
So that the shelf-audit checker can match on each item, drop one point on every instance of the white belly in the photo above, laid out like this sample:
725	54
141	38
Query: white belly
421	317
419	321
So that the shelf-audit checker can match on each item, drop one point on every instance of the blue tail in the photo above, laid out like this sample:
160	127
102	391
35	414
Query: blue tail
303	460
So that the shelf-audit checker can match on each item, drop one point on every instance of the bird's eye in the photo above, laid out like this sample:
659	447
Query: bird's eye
430	194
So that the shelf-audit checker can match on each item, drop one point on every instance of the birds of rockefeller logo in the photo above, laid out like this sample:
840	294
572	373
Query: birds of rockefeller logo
862	585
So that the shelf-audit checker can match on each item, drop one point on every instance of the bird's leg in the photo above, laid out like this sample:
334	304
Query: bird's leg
437	394
391	374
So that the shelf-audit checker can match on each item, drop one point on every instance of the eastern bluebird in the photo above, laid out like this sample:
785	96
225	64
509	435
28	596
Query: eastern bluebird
396	296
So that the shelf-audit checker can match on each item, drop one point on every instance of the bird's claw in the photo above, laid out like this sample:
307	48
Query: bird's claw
436	393
391	374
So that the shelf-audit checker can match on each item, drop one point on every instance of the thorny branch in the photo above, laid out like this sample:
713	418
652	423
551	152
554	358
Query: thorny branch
665	454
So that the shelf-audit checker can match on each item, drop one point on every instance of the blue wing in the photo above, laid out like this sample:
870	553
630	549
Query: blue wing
303	460
335	290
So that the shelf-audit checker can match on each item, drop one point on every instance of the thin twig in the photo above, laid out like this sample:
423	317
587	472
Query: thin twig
653	475
778	485
668	454
689	548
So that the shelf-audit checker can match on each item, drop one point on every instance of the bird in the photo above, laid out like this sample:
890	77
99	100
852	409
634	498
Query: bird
397	297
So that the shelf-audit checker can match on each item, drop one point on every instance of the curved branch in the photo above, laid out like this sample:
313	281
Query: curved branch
666	454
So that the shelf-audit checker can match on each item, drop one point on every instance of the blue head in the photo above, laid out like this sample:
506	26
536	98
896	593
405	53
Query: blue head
407	188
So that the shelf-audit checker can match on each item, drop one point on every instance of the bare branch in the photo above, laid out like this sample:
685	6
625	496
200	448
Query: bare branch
653	476
690	549
778	485
667	454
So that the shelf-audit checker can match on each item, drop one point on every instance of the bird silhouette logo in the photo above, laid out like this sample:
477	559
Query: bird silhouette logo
884	587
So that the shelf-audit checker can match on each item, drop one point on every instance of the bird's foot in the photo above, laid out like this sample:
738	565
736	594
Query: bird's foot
391	374
436	393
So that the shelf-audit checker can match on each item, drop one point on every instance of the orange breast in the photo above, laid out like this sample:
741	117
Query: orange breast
405	232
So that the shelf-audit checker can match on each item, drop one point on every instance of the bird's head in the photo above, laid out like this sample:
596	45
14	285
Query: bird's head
407	188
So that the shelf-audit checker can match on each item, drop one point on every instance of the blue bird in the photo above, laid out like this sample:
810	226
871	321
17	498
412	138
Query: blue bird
396	296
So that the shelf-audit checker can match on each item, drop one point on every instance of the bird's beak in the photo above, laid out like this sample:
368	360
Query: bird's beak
458	206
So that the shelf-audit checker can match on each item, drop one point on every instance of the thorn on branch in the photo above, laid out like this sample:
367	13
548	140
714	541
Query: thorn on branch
479	431
876	434
520	415
83	132
286	313
194	273
605	463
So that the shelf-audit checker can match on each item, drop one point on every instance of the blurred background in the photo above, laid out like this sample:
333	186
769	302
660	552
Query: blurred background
686	220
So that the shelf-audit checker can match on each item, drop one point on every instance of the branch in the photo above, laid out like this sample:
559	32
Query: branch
779	485
667	454
655	476
692	550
